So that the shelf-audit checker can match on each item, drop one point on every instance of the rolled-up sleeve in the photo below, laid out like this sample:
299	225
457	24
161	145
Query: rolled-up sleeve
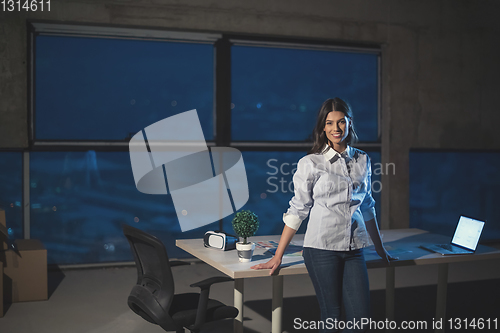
368	205
302	201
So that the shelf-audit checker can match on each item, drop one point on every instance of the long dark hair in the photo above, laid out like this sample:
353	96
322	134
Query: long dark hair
319	136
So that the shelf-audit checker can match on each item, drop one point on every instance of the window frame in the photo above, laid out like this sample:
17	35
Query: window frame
67	30
305	44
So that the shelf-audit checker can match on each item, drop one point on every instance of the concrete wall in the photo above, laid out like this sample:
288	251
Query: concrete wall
440	67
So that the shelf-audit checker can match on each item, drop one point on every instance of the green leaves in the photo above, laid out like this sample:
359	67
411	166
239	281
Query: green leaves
245	224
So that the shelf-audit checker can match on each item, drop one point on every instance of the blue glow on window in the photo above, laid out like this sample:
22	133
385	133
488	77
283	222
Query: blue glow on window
292	84
445	185
109	89
96	196
11	186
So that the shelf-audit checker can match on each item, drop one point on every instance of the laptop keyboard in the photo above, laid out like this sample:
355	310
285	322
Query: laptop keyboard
446	247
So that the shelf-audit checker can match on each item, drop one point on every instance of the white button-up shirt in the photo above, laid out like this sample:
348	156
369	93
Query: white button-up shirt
335	191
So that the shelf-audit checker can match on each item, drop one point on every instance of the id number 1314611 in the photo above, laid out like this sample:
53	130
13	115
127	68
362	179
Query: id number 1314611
25	5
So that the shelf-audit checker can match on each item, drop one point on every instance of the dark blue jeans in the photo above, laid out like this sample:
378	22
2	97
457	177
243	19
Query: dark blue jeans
340	276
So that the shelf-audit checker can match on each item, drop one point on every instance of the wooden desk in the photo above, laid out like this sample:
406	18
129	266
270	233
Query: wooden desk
405	242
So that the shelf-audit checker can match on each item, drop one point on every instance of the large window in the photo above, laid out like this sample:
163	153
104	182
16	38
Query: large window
276	92
107	89
79	201
447	184
93	88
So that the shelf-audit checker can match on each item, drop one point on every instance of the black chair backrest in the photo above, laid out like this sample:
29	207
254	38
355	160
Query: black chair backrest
152	295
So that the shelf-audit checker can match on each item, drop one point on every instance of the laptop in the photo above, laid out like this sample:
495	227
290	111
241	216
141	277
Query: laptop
464	240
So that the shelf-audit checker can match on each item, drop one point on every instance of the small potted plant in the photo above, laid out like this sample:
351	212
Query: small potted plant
245	224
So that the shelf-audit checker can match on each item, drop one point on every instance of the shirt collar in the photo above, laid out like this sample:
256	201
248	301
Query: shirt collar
329	152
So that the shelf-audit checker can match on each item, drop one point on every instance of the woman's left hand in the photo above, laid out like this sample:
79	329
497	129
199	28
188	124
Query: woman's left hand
386	257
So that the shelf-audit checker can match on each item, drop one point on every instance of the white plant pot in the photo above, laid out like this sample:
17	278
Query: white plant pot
245	251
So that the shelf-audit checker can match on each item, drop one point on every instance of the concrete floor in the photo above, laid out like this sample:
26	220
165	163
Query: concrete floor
95	300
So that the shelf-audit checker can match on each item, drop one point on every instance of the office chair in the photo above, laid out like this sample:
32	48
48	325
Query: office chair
153	296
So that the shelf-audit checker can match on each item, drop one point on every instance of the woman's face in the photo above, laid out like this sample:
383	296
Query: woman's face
337	128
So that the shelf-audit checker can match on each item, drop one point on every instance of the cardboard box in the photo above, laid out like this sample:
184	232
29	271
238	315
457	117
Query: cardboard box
25	274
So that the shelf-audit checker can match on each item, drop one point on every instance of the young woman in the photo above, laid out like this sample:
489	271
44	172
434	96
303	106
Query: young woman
332	186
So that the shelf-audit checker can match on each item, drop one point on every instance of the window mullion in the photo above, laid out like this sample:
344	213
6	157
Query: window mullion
222	86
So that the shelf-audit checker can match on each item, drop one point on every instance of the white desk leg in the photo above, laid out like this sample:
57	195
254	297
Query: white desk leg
238	303
441	294
277	303
390	288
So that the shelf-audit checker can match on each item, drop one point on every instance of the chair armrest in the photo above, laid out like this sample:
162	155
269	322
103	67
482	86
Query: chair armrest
204	285
208	282
174	263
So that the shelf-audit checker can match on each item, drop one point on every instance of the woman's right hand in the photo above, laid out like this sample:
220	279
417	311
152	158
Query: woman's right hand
275	261
273	264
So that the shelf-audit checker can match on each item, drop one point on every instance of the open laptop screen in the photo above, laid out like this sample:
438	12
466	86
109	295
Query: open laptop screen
467	233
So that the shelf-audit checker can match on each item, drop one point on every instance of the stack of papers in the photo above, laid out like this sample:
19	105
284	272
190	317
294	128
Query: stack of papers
293	250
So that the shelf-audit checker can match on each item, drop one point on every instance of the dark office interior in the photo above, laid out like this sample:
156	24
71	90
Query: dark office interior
79	78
